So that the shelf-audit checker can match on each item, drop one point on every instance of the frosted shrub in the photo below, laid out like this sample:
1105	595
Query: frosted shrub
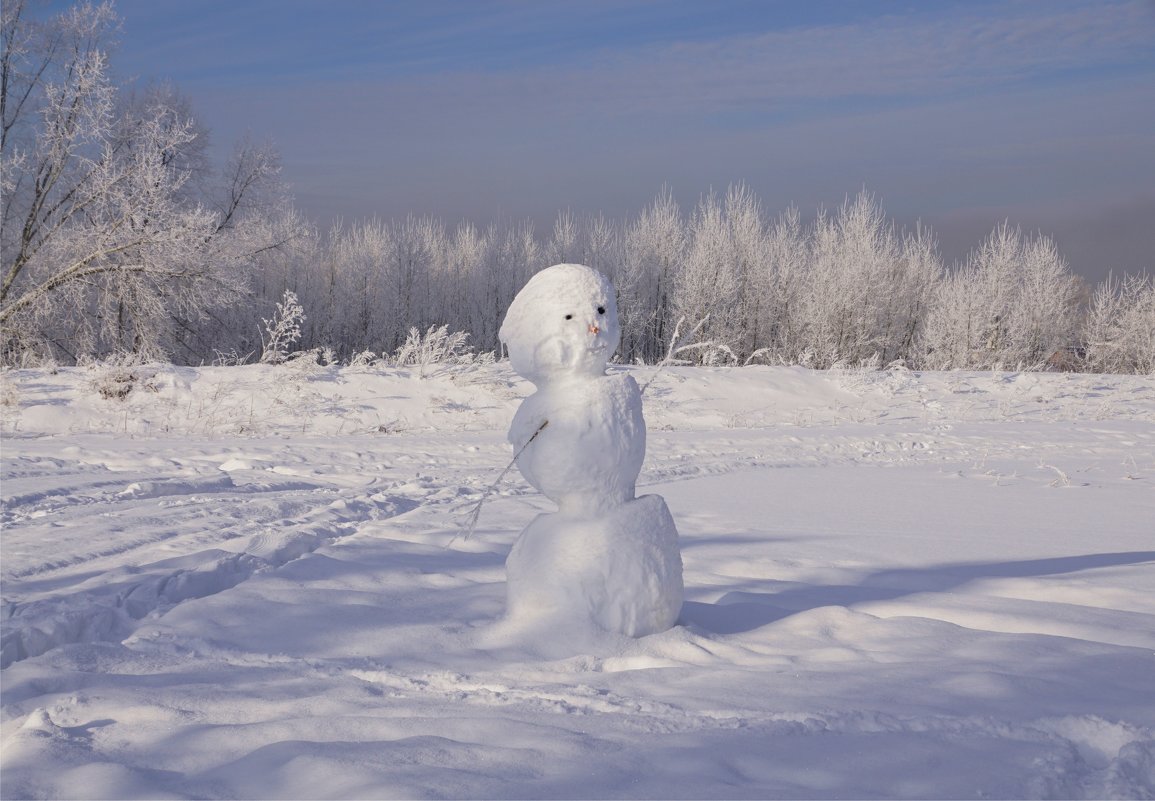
859	376
717	355
435	346
229	358
118	376
9	396
305	362
9	404
763	356
363	360
283	330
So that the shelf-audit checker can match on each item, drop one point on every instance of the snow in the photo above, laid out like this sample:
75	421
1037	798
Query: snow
619	570
580	438
250	582
588	457
548	326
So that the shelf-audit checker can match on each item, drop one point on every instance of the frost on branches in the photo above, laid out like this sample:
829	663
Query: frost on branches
848	288
120	238
283	330
113	240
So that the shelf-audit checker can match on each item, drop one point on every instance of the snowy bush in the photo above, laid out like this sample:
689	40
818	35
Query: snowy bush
283	330
435	347
117	377
9	395
364	359
229	358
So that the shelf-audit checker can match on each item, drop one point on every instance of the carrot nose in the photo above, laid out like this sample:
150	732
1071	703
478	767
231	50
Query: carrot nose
594	329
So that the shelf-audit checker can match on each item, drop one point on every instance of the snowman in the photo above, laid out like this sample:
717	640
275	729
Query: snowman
606	559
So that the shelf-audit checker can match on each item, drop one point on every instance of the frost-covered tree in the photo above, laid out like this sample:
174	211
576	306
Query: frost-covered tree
855	271
1013	304
1120	327
653	250
563	246
418	248
707	284
511	255
1043	318
780	280
467	249
950	334
361	298
110	242
918	273
750	267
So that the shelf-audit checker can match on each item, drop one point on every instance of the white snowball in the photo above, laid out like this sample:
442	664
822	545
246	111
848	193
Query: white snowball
588	458
563	322
621	572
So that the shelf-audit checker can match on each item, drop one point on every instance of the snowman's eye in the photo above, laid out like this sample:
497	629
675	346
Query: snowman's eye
601	309
569	316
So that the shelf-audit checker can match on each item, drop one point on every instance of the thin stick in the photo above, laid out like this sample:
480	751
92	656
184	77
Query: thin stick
676	347
476	512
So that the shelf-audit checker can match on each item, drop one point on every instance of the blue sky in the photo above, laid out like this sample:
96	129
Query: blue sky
954	113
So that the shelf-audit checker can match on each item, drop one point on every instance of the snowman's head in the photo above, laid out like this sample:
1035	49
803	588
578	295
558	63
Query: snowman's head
563	322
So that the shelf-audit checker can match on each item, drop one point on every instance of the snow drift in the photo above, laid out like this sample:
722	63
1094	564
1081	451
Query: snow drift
239	582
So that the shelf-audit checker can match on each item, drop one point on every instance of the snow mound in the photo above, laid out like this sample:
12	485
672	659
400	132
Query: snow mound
621	571
590	454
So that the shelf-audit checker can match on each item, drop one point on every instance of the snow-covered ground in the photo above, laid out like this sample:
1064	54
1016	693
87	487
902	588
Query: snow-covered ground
252	582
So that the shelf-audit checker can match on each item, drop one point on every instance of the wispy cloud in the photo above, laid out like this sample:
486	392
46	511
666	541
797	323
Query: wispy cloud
614	50
888	58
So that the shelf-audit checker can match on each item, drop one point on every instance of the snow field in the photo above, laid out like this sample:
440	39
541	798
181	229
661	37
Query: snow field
897	585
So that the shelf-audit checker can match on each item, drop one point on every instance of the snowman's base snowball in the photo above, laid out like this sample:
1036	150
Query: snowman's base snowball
620	571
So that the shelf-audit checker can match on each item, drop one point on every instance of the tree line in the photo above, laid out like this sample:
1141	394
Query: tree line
120	238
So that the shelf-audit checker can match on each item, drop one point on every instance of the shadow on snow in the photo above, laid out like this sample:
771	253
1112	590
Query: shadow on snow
742	611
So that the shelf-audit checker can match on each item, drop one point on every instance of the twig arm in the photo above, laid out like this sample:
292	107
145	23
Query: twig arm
475	513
